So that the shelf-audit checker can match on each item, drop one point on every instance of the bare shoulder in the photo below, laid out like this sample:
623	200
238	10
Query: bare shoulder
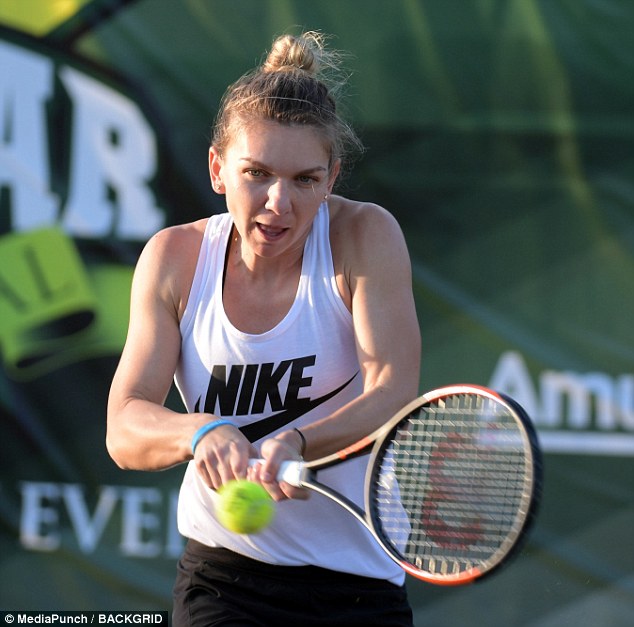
168	262
368	248
174	242
362	228
363	215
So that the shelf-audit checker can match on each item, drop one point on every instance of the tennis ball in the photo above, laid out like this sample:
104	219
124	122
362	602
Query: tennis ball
244	506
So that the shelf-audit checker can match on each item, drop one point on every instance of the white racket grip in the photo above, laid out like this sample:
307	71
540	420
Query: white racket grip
290	471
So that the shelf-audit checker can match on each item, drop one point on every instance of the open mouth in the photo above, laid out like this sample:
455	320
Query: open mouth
271	232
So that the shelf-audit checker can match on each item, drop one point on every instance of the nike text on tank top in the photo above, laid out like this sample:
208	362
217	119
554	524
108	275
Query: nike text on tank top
296	373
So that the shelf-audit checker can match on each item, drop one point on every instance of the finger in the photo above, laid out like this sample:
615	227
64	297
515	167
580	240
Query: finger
293	492
210	478
226	473
275	490
254	471
239	464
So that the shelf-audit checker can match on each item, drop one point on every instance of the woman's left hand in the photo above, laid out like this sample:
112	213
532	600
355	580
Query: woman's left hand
275	451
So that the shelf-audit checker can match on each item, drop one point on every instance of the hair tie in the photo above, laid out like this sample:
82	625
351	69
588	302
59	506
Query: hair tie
302	449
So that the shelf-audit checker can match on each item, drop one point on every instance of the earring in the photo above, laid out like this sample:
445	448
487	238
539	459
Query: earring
325	196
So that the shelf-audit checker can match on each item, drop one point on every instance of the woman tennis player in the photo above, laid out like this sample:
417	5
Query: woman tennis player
288	324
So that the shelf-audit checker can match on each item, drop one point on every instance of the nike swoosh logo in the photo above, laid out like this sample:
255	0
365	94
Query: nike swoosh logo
266	426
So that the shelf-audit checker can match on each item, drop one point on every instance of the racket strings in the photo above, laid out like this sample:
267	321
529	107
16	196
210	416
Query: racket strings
451	484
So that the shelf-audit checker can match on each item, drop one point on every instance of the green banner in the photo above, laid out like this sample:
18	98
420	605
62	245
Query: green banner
501	136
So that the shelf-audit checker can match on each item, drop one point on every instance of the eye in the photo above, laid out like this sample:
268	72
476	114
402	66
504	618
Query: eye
310	179
255	173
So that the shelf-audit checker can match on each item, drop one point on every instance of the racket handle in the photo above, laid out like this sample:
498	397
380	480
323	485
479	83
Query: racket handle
290	471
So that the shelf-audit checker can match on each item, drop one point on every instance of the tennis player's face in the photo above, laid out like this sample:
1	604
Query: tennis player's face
275	177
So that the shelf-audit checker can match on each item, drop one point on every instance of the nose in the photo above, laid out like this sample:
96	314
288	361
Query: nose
278	198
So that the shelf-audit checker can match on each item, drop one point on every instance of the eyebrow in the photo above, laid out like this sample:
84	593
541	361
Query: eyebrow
263	166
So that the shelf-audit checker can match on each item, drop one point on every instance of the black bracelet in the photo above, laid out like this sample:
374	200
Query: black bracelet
302	450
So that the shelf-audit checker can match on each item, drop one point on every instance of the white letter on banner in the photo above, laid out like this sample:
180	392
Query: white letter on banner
37	515
625	393
88	531
25	85
175	541
136	522
114	157
511	376
600	387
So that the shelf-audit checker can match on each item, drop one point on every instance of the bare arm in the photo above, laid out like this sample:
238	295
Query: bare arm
142	434
377	280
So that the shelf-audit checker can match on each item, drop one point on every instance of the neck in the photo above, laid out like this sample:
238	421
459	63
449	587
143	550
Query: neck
243	262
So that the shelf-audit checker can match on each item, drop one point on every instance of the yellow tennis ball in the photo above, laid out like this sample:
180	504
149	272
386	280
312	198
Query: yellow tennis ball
244	506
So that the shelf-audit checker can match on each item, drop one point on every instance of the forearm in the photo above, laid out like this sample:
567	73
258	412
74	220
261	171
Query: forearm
358	418
143	435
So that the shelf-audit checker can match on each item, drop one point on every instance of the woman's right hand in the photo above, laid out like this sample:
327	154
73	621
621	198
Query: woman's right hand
223	455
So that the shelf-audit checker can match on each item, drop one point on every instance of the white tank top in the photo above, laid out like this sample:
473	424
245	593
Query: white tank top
297	372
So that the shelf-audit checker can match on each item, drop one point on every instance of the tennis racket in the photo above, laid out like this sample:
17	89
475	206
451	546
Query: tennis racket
452	484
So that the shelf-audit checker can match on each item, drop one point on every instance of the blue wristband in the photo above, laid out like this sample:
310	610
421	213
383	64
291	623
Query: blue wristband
205	429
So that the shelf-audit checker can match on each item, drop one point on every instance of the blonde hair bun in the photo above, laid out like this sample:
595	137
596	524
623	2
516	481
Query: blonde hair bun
289	52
